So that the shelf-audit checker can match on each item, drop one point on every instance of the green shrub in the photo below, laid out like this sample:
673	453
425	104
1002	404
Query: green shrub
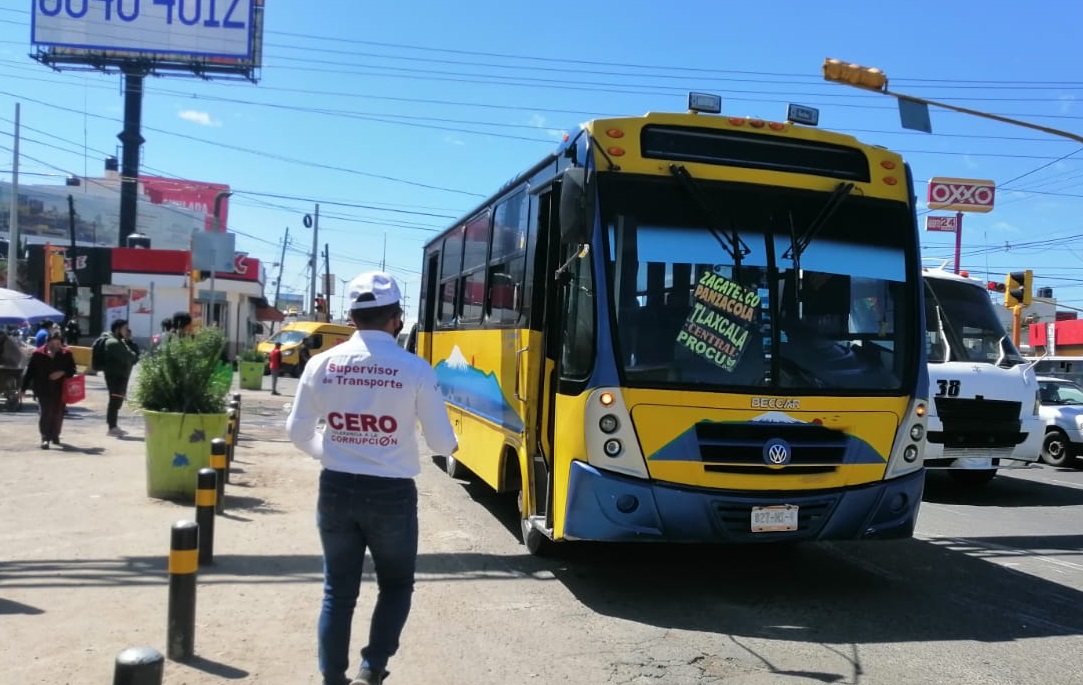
181	376
253	355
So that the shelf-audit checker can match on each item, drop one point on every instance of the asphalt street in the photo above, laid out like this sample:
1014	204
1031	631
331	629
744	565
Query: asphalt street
989	591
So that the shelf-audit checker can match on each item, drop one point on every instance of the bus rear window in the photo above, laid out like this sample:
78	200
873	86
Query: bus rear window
754	151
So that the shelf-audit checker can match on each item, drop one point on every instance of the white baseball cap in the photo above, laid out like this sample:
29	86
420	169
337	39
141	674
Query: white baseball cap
380	285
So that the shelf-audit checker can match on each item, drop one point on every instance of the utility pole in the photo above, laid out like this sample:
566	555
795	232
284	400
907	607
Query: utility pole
214	253
70	276
13	214
312	262
281	266
383	260
327	287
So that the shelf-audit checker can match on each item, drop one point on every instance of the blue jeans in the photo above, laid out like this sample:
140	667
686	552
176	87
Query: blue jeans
356	513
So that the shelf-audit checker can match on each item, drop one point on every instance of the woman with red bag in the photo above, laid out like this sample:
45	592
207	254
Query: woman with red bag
50	365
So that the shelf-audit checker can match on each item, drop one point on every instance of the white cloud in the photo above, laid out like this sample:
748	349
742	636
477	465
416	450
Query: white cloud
1005	227
970	162
1066	102
454	140
197	117
538	121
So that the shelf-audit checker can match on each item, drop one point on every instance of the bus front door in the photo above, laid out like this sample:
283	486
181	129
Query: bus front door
537	394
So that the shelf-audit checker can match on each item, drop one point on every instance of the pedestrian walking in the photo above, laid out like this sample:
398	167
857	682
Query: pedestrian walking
120	357
370	394
46	372
159	338
274	362
42	336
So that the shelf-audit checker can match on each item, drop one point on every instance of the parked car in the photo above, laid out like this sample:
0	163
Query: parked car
1062	411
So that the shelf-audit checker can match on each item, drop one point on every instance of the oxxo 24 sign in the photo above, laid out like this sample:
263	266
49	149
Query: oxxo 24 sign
961	194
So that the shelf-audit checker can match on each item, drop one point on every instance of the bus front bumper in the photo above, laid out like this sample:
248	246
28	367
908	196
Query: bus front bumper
604	506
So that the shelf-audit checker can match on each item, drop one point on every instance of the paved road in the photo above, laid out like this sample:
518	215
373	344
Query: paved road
990	591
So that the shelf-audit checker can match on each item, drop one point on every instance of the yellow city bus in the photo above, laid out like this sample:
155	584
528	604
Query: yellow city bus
689	327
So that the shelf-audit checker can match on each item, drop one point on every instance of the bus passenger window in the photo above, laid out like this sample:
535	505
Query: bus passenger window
473	296
445	307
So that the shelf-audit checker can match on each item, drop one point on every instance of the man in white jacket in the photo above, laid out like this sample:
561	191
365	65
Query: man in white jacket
370	394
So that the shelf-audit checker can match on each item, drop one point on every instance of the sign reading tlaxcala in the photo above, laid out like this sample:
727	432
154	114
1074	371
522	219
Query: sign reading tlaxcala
717	329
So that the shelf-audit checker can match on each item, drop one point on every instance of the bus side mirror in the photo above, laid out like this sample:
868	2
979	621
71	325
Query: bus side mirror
576	206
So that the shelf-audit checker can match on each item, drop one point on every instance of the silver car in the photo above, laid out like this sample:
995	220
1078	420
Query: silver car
1062	411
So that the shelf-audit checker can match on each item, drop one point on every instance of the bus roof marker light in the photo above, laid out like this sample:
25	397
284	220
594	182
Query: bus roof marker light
705	102
757	123
800	114
615	151
614	133
607	399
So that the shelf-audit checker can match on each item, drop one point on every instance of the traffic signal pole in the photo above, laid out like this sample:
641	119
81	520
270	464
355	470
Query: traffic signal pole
1017	324
958	239
869	78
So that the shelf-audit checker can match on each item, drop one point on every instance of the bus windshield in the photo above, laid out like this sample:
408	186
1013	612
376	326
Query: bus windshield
287	337
962	325
763	298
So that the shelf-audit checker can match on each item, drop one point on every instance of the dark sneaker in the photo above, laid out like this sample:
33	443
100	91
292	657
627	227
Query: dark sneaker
367	676
56	441
44	444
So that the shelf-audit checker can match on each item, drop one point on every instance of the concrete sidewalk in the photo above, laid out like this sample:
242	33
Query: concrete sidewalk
83	568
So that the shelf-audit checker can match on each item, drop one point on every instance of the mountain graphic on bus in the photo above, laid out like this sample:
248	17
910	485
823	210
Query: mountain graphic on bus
475	391
741	441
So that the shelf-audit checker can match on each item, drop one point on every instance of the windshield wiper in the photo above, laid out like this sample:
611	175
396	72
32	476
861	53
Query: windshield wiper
800	243
731	243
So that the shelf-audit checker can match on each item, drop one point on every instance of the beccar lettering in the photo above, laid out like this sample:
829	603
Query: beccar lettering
775	403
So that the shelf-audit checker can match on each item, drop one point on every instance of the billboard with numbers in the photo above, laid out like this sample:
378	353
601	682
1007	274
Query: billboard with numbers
204	37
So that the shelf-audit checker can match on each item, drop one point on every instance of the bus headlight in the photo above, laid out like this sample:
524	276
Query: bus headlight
917	432
910	454
608	423
612	448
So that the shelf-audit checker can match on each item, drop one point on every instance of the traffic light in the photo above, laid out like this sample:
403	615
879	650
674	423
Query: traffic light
198	276
854	74
1018	286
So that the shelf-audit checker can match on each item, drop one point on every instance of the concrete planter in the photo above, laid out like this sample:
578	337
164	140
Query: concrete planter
177	447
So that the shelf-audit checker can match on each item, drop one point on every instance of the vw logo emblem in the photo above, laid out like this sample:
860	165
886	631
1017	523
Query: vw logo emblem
777	452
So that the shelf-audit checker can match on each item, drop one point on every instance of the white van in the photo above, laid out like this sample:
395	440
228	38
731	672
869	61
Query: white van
983	395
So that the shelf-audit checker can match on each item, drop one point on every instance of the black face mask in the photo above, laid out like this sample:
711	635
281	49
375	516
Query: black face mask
398	329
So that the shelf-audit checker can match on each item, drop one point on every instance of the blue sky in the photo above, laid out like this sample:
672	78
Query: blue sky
399	117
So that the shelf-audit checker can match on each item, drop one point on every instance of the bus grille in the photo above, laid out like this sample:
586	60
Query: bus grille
977	423
736	519
738	448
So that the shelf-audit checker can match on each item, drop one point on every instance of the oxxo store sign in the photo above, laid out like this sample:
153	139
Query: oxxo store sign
961	194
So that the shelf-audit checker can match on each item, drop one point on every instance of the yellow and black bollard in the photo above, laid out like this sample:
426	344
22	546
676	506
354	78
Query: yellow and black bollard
206	507
183	564
221	466
139	666
231	439
235	403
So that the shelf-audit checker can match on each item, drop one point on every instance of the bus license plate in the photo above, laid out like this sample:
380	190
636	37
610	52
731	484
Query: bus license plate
774	519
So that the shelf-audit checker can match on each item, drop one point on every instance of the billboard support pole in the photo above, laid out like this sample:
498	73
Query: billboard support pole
131	139
958	238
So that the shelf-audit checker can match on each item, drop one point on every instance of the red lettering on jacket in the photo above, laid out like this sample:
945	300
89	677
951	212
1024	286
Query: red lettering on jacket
362	423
